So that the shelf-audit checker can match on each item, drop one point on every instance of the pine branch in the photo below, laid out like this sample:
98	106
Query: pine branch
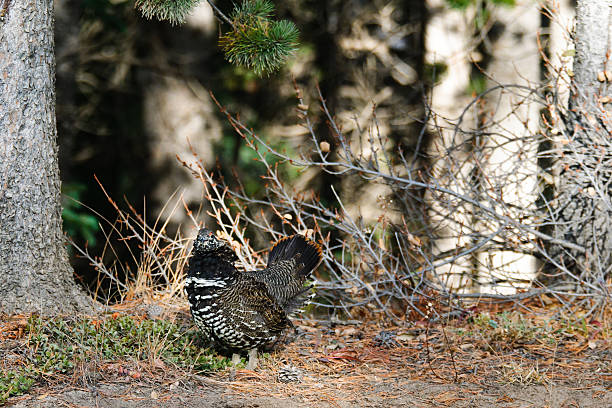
220	14
257	42
175	11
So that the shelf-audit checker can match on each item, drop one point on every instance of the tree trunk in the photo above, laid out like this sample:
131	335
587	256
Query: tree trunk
448	38
35	275
592	42
507	158
584	205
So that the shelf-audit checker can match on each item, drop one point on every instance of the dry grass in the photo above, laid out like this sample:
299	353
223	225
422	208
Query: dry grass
336	363
343	363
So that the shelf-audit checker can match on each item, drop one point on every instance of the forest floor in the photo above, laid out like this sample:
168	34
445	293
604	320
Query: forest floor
491	358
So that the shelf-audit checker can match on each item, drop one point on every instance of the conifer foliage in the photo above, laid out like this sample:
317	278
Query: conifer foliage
254	41
174	11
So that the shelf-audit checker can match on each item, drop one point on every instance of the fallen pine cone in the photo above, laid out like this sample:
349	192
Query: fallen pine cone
289	374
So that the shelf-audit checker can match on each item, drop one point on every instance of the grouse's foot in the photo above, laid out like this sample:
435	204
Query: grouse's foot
252	364
235	359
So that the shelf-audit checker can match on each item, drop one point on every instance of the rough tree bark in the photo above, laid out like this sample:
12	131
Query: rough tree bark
592	44
35	275
584	210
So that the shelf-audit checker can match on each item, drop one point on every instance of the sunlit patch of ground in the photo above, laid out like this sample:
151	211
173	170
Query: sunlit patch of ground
489	358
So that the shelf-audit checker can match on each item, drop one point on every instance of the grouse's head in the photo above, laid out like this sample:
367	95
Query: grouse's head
207	242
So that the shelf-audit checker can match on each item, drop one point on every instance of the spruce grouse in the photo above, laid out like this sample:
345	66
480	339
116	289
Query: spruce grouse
245	310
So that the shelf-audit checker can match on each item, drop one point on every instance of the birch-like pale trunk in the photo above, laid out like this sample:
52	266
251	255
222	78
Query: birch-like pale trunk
583	206
486	154
509	150
448	42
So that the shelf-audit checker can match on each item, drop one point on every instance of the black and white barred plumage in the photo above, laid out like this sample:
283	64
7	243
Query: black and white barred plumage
245	310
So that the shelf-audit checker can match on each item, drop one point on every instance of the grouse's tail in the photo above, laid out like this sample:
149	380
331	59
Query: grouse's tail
306	253
298	302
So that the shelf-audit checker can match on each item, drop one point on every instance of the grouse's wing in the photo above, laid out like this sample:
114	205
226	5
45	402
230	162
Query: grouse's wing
252	311
290	263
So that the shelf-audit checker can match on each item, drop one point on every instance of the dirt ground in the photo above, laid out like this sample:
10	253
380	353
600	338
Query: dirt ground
365	366
379	394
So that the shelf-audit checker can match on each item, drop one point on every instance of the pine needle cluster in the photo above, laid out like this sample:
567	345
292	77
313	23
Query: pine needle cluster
256	41
174	11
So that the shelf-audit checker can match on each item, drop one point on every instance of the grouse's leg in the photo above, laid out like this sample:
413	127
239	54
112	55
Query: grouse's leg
235	359
252	364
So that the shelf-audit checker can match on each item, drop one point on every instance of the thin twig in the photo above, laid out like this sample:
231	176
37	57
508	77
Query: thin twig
220	14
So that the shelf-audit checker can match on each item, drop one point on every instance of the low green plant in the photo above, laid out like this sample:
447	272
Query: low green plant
57	346
507	329
14	383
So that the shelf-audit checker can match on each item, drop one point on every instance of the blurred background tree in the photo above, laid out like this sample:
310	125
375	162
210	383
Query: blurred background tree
134	93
